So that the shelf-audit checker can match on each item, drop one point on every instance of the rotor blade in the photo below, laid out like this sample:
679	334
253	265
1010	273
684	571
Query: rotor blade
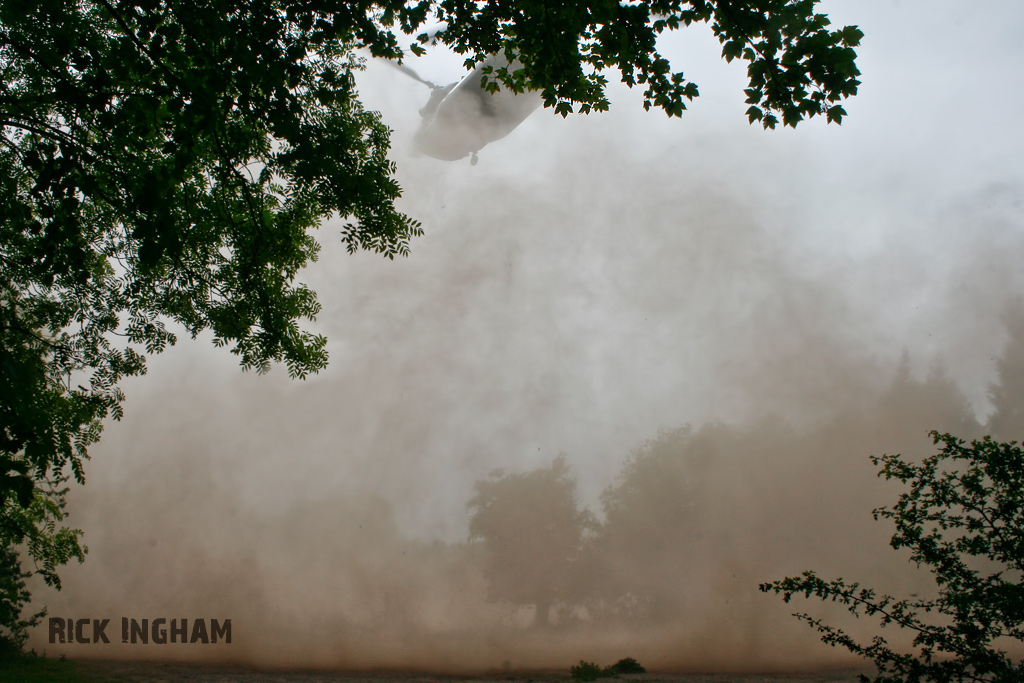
411	74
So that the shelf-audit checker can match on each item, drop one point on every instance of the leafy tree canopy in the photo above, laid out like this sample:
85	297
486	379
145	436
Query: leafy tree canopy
531	530
165	162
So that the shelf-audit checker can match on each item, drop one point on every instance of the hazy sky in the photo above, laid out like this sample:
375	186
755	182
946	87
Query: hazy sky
595	279
601	273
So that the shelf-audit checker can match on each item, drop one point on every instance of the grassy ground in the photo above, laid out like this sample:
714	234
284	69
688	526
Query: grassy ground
40	670
60	671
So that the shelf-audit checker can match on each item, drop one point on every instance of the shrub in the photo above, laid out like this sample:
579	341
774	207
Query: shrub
627	665
13	597
588	671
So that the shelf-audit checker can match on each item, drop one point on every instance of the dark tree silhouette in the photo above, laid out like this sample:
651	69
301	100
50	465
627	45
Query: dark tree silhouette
910	408
650	522
1007	393
14	624
531	530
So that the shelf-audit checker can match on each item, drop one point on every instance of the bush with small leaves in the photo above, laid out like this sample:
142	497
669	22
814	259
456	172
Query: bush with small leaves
588	671
963	519
627	665
13	597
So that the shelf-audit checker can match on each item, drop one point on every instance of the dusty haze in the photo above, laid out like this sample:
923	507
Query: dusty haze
715	325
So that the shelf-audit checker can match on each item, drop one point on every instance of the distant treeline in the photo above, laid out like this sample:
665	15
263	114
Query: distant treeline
697	516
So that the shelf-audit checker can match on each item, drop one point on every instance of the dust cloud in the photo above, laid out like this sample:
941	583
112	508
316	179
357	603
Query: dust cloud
634	368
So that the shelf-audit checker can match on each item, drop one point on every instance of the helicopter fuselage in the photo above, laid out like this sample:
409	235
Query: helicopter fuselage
462	118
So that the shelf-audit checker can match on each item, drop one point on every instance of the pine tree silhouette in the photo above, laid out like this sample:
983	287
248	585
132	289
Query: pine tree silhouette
1007	393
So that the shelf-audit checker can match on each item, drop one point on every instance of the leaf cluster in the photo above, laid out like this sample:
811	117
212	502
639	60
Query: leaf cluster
166	162
13	597
798	68
963	519
36	526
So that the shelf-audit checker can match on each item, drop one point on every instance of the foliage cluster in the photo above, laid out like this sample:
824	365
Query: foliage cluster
963	519
588	671
49	546
13	596
165	162
797	66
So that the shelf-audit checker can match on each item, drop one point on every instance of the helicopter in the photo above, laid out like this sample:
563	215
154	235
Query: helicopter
462	118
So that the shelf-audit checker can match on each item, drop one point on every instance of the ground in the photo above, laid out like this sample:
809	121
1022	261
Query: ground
150	672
